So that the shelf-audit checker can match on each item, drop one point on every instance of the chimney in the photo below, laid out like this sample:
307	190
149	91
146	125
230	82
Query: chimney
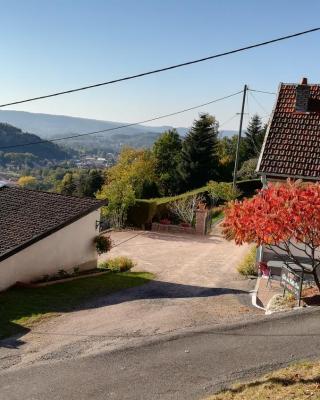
302	96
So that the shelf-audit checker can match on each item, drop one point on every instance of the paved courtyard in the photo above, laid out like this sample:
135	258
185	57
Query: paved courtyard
195	286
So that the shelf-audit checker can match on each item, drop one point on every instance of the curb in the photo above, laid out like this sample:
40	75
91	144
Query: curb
254	295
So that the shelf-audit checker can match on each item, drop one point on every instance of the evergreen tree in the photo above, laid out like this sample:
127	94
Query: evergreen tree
254	136
167	152
199	161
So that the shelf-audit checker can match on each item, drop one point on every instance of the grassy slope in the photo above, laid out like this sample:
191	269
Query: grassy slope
299	381
22	307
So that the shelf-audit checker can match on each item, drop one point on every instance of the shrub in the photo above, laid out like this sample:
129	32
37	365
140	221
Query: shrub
185	208
117	264
248	266
248	169
63	274
222	191
103	244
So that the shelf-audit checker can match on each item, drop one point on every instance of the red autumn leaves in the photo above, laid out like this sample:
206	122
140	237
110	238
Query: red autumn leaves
282	212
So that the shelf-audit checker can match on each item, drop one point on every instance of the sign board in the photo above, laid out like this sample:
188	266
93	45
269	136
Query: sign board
291	281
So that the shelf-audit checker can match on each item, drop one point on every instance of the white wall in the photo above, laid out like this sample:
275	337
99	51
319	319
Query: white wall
69	247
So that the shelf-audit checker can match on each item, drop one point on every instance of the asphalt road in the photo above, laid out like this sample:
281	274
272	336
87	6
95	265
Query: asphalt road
186	366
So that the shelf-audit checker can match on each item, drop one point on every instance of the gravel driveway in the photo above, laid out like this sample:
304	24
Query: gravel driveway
196	285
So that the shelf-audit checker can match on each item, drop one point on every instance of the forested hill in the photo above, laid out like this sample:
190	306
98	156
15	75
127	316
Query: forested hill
12	136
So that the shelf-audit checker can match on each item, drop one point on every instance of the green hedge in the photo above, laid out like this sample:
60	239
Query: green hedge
142	212
145	211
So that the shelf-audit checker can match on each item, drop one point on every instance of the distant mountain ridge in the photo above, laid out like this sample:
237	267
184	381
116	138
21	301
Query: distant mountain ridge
48	126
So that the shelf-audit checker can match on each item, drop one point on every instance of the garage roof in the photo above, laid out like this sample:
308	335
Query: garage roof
27	216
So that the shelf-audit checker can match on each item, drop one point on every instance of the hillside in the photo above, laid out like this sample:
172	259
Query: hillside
12	136
48	125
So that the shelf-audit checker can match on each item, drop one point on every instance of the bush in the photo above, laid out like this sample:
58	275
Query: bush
222	191
103	244
248	266
248	169
185	208
117	264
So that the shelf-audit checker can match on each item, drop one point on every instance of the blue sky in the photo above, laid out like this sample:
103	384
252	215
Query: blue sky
55	45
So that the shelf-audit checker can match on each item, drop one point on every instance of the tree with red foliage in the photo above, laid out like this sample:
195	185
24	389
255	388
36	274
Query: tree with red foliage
280	217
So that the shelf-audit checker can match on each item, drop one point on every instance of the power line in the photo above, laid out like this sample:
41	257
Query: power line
258	102
227	121
155	71
261	91
122	126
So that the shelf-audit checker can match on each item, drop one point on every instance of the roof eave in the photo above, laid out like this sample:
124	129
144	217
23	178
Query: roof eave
285	176
43	235
268	129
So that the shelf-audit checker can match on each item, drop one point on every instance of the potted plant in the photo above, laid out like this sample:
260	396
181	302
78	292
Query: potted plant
103	244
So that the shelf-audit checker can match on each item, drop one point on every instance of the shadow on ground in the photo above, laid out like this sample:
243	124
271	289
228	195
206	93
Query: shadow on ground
18	303
162	290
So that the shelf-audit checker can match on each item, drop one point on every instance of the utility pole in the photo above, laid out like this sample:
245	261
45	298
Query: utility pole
239	137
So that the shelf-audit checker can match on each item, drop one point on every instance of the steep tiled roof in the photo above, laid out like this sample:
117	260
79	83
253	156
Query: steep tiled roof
292	144
27	216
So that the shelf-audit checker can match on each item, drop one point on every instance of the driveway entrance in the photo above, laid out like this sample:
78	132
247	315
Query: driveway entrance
195	286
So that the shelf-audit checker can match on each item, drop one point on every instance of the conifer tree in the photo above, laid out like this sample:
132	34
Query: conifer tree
199	161
167	151
254	136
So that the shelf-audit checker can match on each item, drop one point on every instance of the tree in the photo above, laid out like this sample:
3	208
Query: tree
280	217
89	183
28	182
68	185
167	152
226	151
254	136
248	169
120	196
199	159
137	167
222	191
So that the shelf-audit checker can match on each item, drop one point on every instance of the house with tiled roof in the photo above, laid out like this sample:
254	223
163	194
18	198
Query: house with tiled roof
42	233
291	147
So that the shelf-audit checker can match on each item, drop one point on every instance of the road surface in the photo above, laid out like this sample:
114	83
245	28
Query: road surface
187	366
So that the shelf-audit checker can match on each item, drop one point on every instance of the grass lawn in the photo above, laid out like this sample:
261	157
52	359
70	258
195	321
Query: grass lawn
20	308
298	381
